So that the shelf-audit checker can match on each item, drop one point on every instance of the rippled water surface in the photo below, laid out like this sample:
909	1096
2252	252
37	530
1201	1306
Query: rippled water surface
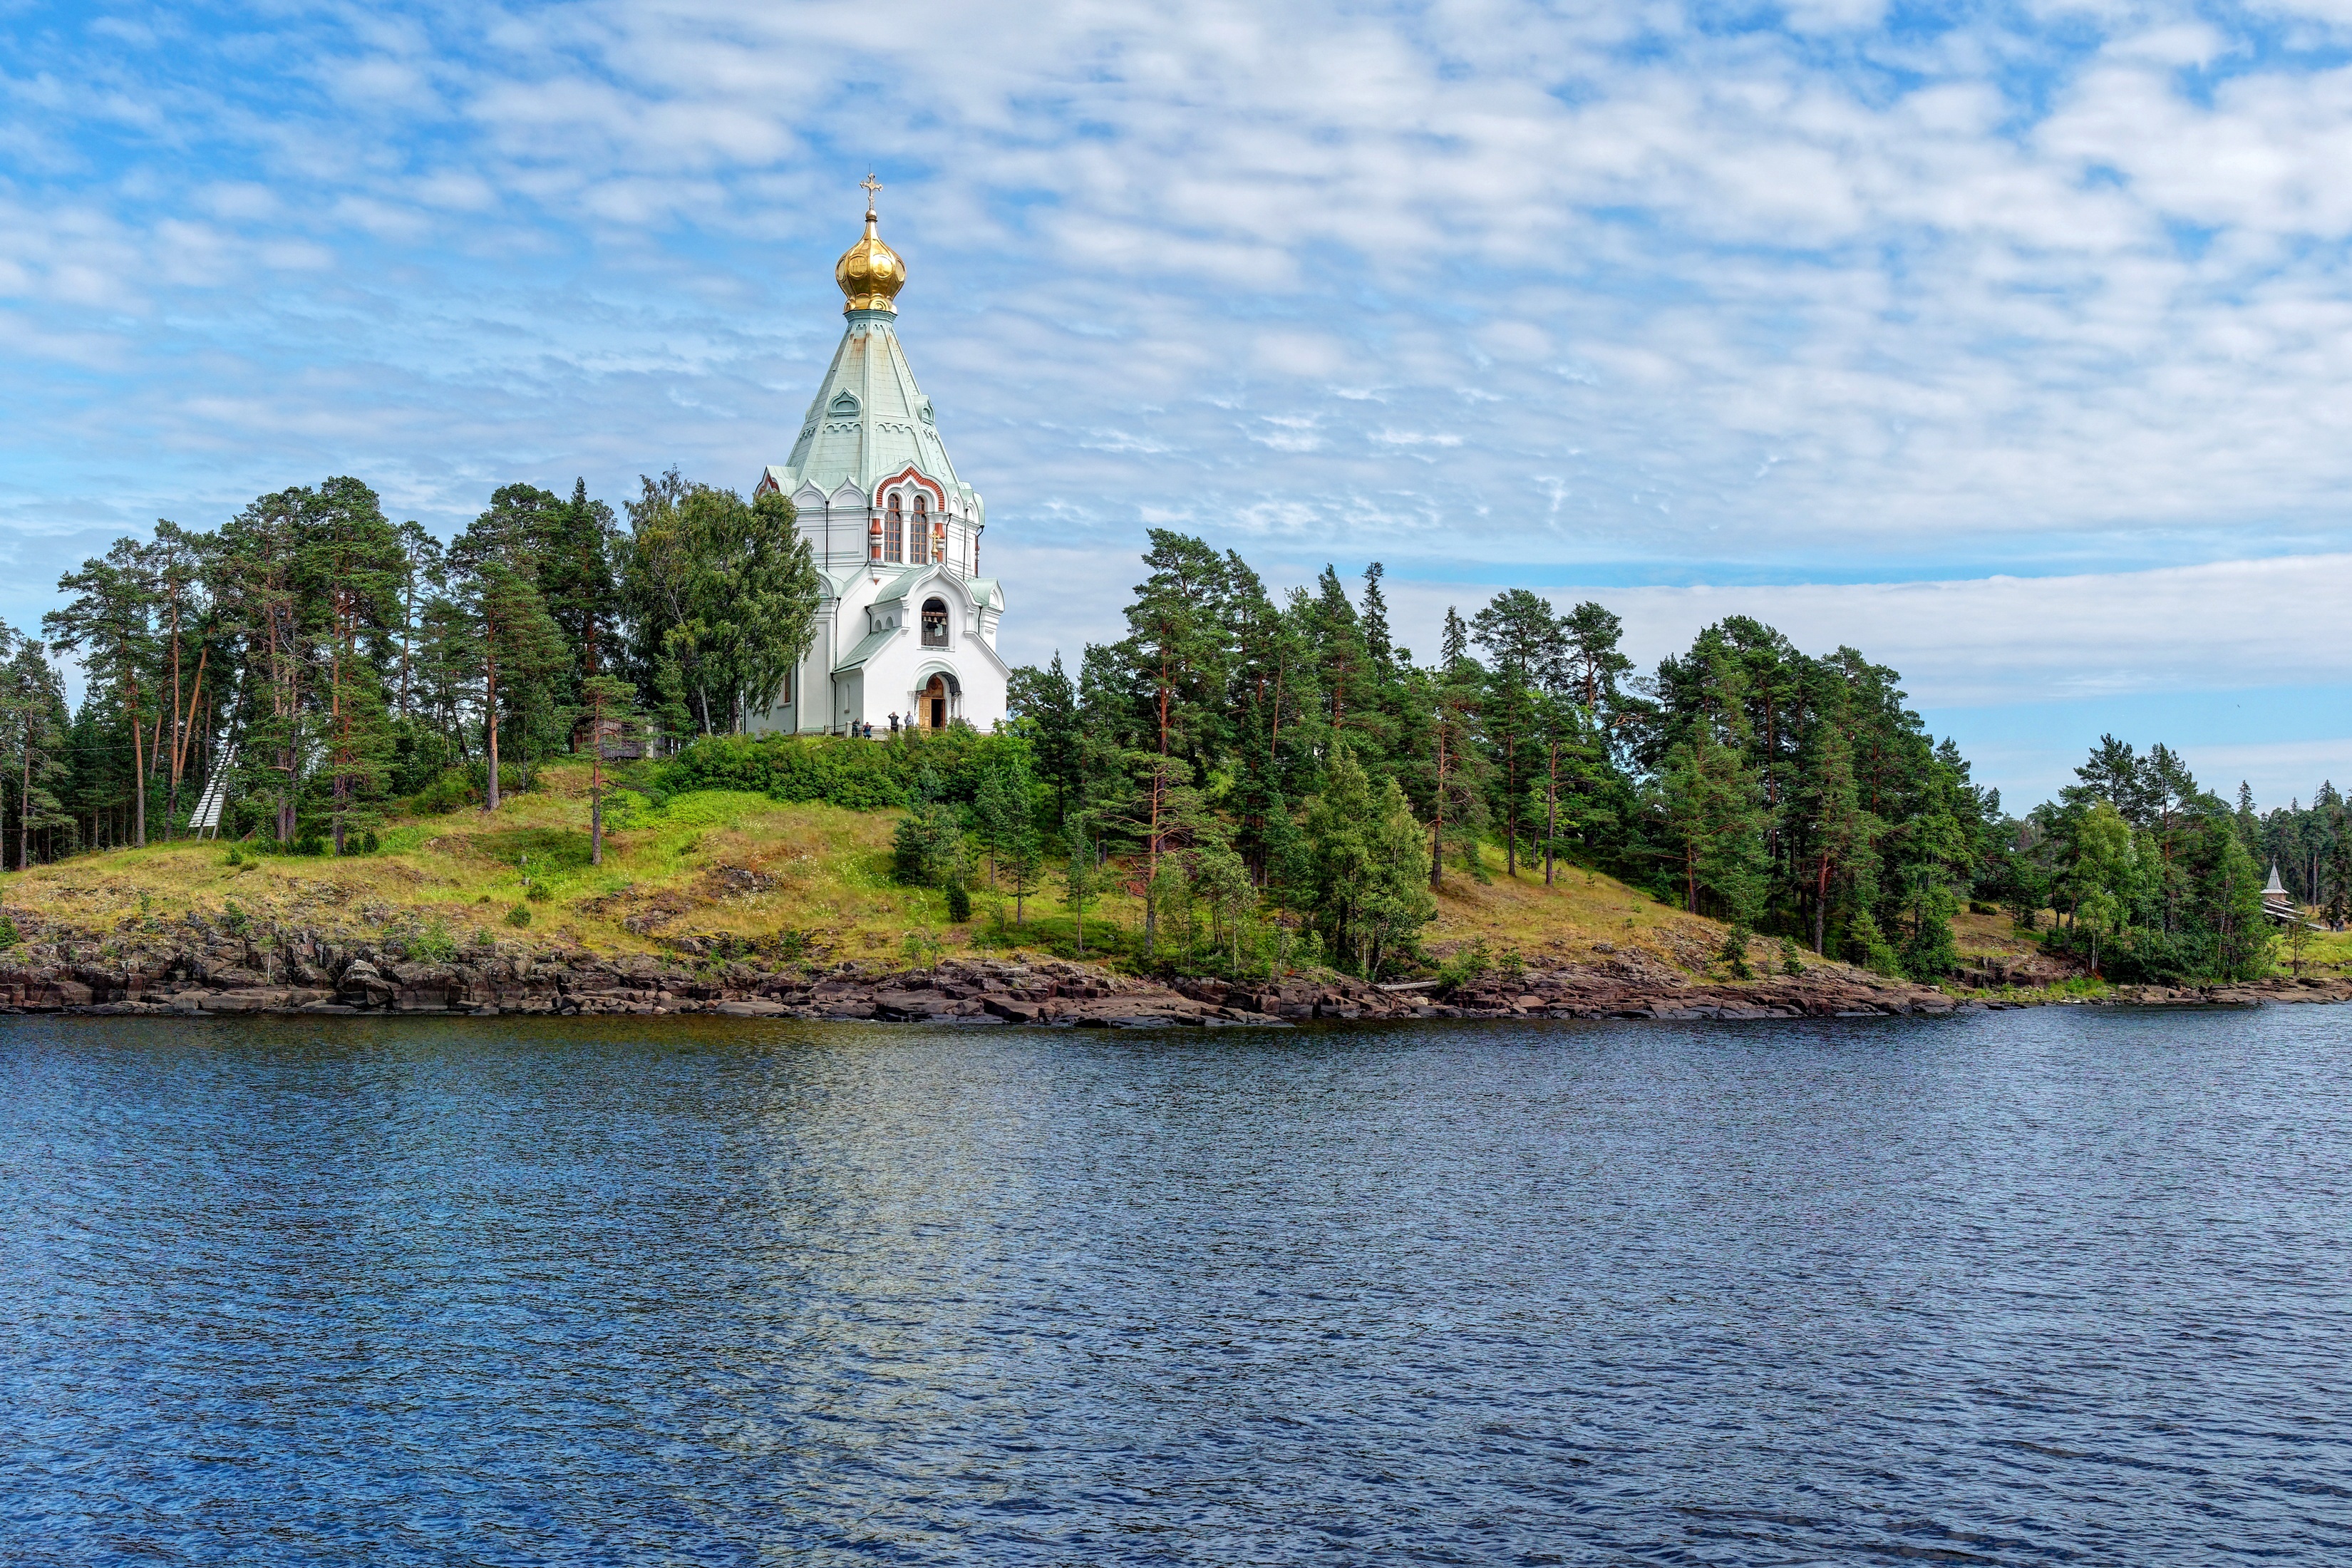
2068	1286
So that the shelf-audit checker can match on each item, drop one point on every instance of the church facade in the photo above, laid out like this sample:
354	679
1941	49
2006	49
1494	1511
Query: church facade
907	624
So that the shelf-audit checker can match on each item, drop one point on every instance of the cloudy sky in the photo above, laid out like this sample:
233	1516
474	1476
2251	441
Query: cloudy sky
2007	344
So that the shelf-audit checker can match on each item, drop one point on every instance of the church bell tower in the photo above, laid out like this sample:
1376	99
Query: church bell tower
907	626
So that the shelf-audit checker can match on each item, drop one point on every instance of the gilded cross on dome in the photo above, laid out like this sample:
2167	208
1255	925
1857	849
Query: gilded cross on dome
870	272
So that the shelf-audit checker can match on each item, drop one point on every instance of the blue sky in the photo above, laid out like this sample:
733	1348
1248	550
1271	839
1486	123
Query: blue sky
2009	344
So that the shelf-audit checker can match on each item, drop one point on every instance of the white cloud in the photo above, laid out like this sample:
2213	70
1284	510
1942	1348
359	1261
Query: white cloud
2035	294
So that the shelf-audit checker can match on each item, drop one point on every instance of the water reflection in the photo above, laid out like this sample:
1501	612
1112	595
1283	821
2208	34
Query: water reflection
2059	1285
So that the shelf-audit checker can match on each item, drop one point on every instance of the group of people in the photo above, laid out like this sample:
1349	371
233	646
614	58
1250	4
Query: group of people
865	729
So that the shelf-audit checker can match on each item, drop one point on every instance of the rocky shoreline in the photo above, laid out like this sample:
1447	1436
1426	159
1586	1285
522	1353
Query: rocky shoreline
190	967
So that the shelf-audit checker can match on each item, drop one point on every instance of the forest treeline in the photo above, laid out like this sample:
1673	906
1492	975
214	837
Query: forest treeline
1264	768
1784	792
329	661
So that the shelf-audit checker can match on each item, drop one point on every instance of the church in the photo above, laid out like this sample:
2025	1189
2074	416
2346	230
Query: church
907	624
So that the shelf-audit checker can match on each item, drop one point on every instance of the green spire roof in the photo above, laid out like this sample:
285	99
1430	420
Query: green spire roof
869	420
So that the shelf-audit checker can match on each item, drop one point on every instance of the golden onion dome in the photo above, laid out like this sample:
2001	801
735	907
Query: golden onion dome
869	272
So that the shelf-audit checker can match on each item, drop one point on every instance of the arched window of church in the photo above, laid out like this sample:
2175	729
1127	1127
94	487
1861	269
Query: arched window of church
934	623
893	529
921	538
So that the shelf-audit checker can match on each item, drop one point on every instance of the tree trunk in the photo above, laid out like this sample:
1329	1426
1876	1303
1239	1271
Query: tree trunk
137	768
187	727
1511	813
1551	811
1437	815
490	711
1151	865
1820	903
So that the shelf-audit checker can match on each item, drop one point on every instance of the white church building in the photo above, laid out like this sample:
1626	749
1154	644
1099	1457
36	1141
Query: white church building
907	624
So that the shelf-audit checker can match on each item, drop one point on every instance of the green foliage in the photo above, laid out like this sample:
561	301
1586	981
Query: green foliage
233	919
9	937
537	893
920	949
927	846
520	915
959	903
432	944
1371	884
1079	879
453	789
1468	963
1866	945
1734	955
2152	878
722	595
836	769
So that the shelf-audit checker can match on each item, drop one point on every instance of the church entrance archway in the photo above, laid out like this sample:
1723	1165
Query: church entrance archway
935	703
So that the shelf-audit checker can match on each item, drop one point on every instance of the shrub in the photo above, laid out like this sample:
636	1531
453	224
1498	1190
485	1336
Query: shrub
1735	952
452	791
1791	958
1868	947
927	845
232	858
861	775
1468	963
958	902
520	915
539	893
477	778
232	918
10	936
434	945
1929	953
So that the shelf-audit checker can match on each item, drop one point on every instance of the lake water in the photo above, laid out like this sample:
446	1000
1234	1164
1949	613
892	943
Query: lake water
2064	1286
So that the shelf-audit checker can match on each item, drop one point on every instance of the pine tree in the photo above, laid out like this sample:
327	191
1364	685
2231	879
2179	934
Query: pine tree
512	644
608	704
1174	661
1024	857
1458	768
176	562
576	578
1524	638
1078	878
350	575
109	620
1046	704
33	725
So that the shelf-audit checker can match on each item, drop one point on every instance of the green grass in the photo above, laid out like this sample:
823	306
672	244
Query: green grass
723	863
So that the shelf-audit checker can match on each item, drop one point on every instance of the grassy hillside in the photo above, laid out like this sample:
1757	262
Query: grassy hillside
724	864
793	881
